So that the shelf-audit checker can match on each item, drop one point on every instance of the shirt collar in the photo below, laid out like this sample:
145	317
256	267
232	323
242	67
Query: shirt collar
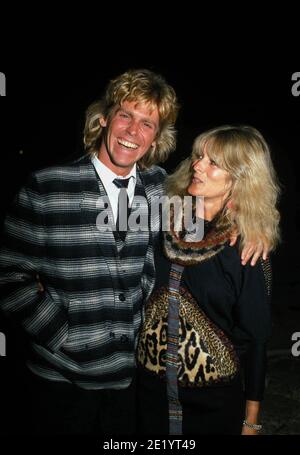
107	174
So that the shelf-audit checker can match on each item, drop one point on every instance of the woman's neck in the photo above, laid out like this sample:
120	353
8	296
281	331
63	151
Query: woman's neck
210	210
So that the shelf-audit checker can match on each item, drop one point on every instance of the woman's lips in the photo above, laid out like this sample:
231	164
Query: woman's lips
197	180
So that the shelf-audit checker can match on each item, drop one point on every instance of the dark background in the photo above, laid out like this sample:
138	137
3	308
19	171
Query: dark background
42	117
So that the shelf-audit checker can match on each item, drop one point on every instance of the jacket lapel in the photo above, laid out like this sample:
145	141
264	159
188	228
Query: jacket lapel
93	207
153	192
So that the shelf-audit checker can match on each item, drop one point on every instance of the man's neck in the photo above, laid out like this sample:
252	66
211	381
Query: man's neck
118	170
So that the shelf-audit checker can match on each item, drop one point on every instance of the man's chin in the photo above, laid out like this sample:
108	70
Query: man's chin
124	164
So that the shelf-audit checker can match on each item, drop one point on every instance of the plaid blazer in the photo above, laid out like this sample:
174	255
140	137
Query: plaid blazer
83	326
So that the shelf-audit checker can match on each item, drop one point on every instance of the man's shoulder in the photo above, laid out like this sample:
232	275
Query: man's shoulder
64	167
61	176
68	170
154	175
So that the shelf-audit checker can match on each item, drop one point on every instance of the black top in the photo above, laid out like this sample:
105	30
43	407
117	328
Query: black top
236	299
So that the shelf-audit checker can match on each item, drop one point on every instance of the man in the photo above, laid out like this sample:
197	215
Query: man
83	324
76	287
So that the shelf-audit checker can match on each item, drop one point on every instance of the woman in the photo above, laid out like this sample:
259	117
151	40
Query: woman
202	349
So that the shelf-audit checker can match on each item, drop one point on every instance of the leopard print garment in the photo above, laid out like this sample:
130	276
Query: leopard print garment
205	354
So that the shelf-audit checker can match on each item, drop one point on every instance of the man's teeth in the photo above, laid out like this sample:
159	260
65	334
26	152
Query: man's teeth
128	144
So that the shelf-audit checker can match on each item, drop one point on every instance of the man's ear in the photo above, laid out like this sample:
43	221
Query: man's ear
153	145
102	122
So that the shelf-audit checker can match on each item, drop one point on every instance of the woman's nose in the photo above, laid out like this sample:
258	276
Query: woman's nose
199	165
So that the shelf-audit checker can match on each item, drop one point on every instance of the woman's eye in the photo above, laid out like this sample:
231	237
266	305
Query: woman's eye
213	163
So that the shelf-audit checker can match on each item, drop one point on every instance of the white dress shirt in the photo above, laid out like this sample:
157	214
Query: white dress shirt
107	176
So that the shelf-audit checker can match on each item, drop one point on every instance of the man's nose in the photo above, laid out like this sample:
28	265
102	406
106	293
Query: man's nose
132	127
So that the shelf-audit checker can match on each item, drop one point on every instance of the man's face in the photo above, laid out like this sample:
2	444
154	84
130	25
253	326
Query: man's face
130	134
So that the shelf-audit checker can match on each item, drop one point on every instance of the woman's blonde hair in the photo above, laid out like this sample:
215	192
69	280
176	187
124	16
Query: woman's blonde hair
244	154
140	86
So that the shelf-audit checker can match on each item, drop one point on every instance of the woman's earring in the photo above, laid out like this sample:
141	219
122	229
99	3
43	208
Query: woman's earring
230	204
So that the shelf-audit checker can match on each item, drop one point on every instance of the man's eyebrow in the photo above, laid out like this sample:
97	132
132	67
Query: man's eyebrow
120	108
145	119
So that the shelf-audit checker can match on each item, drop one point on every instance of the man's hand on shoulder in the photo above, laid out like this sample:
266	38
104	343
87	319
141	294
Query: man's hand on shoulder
254	249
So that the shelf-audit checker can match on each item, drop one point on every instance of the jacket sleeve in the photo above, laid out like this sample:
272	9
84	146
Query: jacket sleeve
253	325
21	259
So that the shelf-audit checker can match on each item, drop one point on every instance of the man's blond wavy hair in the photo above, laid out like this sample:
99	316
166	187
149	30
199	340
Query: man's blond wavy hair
243	152
140	86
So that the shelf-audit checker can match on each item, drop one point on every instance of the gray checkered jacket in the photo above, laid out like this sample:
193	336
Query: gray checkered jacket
83	326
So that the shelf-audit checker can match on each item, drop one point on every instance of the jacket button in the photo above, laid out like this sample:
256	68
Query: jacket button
122	297
124	339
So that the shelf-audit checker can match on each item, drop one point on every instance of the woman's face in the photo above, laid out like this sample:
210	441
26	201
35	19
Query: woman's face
210	181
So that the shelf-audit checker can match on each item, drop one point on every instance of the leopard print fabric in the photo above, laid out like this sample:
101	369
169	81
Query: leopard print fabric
205	354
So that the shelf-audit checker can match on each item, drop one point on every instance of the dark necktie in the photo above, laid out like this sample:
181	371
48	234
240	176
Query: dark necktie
122	212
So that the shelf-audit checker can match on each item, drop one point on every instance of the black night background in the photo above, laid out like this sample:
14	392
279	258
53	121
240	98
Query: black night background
41	123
